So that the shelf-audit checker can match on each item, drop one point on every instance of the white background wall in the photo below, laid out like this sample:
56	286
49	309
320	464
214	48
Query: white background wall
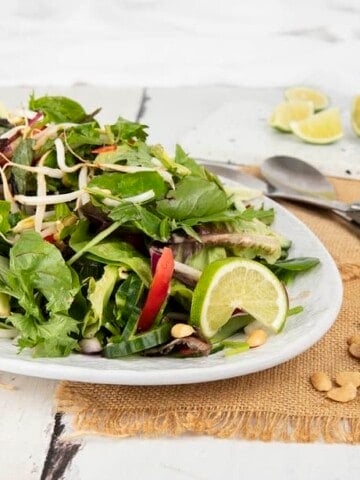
181	42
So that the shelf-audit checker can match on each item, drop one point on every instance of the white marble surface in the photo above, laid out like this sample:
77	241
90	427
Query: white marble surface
181	42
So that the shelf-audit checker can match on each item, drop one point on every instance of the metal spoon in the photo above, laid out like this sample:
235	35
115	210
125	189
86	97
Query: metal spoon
233	173
292	175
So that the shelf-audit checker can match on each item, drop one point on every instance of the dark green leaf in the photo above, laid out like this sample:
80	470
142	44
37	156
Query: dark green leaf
265	215
126	130
58	109
141	218
130	184
299	264
87	134
23	155
193	197
183	159
39	265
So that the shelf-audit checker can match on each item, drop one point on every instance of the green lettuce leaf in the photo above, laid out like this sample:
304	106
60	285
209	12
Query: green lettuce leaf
4	216
99	293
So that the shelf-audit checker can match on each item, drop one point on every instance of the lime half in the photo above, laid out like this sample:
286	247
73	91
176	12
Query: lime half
321	128
319	99
226	285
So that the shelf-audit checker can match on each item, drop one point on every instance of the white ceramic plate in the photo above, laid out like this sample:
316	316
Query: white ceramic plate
312	289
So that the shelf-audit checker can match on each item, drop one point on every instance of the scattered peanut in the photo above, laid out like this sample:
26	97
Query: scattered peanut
353	339
354	350
342	394
343	378
181	330
256	338
321	382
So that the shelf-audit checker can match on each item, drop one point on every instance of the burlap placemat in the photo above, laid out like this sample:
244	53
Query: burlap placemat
276	404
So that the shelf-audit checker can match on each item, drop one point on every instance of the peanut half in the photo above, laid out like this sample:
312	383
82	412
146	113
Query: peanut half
343	378
256	338
321	382
342	394
354	350
181	330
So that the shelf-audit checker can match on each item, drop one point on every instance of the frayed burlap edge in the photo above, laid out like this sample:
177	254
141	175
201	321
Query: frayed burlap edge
155	422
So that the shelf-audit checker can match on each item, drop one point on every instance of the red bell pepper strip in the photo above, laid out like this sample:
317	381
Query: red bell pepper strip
105	149
50	239
158	291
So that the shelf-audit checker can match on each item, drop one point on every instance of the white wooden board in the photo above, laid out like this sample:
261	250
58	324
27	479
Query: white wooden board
230	124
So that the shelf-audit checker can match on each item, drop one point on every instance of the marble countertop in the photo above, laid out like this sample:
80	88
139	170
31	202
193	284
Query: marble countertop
182	42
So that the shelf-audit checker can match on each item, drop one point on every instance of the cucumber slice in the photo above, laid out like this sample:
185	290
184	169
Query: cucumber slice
138	343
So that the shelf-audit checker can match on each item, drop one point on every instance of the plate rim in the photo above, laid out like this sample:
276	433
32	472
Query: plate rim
165	376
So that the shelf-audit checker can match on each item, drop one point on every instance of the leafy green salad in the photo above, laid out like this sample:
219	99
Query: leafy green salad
104	239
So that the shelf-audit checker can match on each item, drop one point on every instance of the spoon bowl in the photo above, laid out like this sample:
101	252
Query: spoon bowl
290	174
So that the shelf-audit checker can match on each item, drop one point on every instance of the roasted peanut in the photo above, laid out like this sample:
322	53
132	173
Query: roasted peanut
321	382
354	350
343	378
181	330
342	394
256	338
353	339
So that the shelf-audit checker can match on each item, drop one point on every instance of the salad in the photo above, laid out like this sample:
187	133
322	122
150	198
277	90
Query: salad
109	245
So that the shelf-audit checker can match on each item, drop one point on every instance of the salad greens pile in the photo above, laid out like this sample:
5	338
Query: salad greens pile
103	236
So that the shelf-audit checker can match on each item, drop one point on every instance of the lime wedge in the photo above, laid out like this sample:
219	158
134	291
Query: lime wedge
319	99
287	112
321	128
226	285
355	115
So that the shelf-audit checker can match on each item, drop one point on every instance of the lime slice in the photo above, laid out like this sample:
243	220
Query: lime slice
319	99
237	283
355	115
321	128
287	112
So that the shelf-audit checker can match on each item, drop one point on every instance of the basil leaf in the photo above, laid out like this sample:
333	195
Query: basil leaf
193	197
129	184
299	264
58	109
